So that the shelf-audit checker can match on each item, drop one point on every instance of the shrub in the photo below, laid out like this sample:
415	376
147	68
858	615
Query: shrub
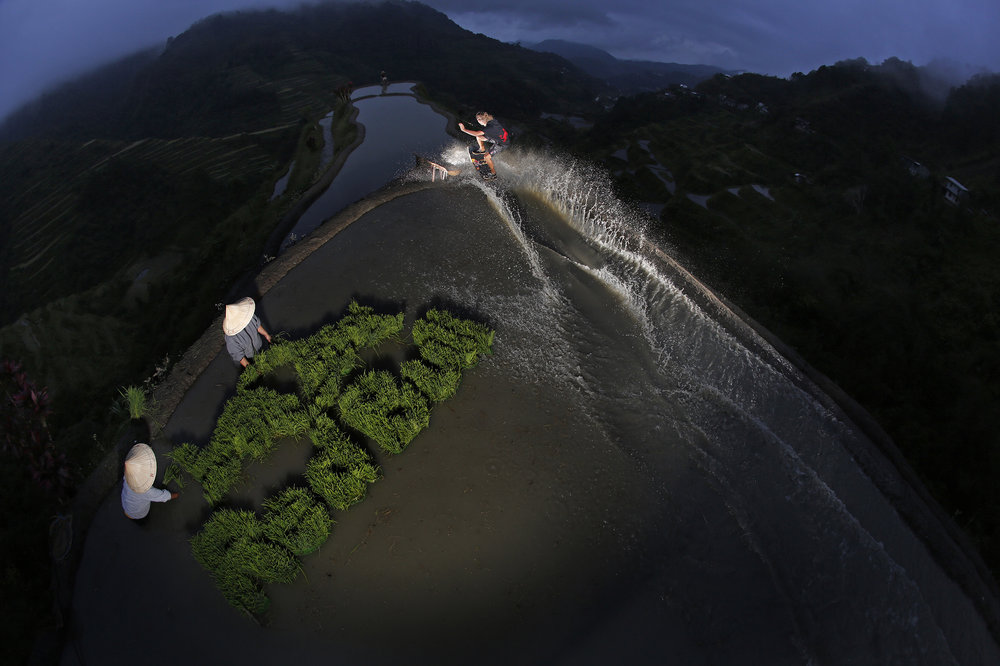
25	435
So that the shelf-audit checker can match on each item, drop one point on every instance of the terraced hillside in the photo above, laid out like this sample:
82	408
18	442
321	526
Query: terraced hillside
78	214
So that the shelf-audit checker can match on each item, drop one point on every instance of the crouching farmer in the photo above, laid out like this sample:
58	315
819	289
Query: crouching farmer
137	490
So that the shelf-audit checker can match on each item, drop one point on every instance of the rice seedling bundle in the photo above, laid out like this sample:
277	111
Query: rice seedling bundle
220	478
449	342
264	363
337	484
231	547
173	474
364	328
243	552
295	520
388	411
224	528
332	337
188	457
252	420
436	382
136	400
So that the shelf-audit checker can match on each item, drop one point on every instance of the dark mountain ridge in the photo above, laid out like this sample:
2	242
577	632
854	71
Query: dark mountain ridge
245	70
627	77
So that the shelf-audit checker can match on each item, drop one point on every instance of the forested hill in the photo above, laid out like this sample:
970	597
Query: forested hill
627	77
247	70
817	204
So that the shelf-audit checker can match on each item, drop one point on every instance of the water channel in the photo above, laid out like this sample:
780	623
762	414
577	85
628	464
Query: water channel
397	127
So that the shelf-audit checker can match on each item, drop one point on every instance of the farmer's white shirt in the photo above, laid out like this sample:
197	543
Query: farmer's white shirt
136	505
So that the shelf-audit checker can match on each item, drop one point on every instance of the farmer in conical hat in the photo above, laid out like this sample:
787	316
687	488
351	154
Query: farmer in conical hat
137	489
243	331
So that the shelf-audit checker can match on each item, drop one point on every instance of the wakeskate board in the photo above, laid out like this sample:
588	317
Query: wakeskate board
479	161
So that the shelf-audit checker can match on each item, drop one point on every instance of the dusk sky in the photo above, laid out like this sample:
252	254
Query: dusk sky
45	41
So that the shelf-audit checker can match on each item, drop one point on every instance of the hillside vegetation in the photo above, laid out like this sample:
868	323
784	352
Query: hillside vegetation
817	205
132	202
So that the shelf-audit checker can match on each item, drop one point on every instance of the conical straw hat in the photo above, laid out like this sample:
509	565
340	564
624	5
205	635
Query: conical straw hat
140	468
238	315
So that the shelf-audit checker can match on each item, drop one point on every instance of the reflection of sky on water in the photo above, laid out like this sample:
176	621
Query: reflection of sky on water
279	187
327	124
397	127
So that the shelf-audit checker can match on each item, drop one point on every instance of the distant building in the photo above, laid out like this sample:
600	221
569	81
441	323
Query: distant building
916	168
954	191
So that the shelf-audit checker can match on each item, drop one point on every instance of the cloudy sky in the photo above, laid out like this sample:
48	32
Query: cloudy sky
45	41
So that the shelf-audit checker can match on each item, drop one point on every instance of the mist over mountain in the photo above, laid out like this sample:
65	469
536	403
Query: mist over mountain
244	70
626	76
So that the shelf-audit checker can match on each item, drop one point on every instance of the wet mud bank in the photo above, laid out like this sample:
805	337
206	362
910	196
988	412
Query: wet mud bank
584	496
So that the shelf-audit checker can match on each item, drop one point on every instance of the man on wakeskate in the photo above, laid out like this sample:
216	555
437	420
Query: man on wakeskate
494	134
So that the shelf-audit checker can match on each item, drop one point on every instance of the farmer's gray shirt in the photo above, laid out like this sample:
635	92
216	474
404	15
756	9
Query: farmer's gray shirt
136	505
246	343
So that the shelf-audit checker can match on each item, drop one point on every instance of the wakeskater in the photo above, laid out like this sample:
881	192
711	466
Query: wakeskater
489	141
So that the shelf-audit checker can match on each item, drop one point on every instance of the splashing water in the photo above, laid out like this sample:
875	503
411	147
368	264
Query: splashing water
687	385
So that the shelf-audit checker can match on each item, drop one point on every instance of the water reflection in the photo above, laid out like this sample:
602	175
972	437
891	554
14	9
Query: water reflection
397	126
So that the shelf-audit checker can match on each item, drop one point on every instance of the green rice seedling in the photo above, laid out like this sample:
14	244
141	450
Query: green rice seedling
364	328
325	431
295	520
366	471
173	475
220	478
187	457
340	476
224	528
265	560
136	401
436	382
283	354
379	406
339	489
448	341
441	320
242	591
334	338
446	356
231	547
311	372
253	420
339	366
